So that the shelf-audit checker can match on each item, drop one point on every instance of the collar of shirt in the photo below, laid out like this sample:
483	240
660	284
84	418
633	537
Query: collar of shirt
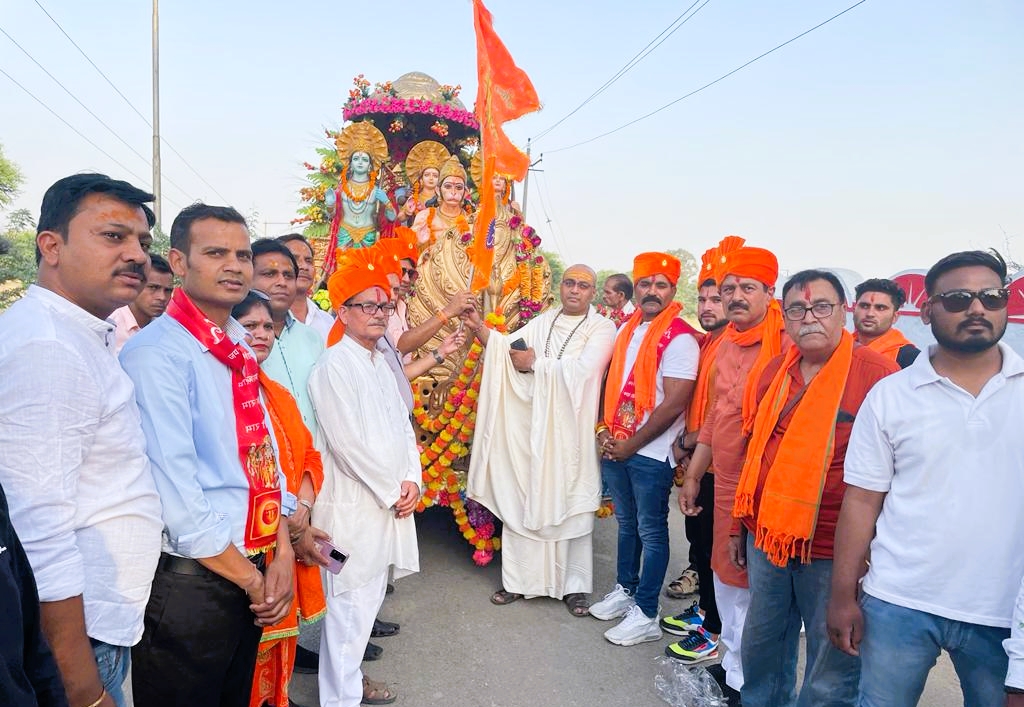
289	319
350	343
103	328
922	372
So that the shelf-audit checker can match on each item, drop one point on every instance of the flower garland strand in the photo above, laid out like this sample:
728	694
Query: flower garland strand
453	430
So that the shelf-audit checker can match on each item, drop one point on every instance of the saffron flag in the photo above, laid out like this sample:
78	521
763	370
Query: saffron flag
504	93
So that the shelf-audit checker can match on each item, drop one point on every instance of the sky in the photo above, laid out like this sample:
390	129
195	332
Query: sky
879	142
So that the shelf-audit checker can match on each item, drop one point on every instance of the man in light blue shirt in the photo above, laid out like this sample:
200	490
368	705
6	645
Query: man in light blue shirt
298	347
221	489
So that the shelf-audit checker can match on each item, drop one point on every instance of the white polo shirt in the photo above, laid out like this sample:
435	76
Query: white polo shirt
950	537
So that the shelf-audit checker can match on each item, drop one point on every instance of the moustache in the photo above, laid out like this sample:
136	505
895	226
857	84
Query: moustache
739	305
977	320
133	269
651	298
810	329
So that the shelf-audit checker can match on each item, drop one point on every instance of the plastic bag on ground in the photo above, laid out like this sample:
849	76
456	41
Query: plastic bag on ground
681	685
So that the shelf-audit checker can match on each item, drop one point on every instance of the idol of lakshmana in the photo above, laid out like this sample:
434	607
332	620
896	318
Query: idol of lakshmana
360	207
423	170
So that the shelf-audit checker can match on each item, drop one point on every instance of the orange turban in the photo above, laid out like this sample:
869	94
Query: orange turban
387	253
358	269
756	263
648	264
713	257
408	246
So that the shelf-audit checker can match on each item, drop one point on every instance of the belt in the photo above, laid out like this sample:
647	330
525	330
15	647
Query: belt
186	565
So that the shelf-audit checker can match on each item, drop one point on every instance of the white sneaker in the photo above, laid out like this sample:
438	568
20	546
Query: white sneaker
637	627
614	605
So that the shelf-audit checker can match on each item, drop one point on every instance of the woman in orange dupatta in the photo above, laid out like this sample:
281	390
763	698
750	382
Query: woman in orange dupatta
304	471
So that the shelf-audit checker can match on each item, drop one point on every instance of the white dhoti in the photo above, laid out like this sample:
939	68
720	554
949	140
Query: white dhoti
534	461
733	603
343	639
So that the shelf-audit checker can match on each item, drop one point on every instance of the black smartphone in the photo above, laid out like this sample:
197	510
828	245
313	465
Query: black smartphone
519	344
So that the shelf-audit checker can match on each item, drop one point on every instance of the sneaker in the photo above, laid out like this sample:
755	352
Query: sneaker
684	623
637	627
614	605
697	647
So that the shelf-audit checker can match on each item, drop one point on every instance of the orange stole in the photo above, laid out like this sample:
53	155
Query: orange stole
889	343
768	332
788	513
297	455
701	399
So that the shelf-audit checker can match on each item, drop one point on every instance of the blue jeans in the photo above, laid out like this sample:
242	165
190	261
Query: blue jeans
780	599
900	646
113	663
640	488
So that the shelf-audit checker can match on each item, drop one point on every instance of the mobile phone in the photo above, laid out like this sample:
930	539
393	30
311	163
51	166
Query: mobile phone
519	344
335	557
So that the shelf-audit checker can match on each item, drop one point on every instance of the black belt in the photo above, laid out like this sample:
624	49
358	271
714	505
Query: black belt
186	565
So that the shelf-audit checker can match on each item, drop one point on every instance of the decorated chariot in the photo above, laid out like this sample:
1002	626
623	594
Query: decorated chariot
381	173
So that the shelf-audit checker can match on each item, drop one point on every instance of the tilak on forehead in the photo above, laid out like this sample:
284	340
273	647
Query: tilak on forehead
580	273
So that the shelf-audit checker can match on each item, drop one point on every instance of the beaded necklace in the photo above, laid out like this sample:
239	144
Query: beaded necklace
547	342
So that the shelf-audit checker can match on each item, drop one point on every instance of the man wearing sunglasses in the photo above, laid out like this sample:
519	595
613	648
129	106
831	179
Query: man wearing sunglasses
874	318
935	474
790	492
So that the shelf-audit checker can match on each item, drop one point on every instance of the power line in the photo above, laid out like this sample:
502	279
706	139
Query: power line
707	85
552	223
637	58
131	105
87	109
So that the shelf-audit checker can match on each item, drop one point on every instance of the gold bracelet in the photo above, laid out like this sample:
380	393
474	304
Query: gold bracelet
103	694
600	427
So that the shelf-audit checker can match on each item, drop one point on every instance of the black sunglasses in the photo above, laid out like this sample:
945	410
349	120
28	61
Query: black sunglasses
992	299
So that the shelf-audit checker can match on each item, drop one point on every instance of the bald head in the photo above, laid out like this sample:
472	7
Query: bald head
579	285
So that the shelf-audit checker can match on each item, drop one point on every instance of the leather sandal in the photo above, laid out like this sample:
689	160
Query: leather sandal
377	693
501	597
577	604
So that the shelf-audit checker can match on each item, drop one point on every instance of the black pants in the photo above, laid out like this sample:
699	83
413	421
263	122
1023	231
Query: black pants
199	644
700	533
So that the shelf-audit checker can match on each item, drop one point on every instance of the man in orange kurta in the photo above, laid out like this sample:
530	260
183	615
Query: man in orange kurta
753	337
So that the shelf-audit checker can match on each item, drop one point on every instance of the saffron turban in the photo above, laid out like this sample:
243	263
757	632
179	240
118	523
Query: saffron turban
714	257
358	269
388	253
648	264
756	263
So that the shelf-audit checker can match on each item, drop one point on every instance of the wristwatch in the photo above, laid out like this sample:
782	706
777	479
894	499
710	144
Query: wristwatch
437	357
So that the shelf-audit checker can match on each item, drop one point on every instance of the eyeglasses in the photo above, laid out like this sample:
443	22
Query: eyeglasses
410	273
820	310
582	284
371	308
992	299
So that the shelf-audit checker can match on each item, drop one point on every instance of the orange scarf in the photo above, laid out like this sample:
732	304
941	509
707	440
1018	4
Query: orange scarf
788	512
889	343
702	389
645	370
297	456
768	332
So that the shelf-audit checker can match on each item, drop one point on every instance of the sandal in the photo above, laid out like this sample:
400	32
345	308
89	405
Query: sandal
377	693
577	604
684	586
501	597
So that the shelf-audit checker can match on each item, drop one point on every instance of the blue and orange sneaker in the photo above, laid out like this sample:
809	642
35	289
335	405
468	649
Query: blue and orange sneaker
684	623
695	648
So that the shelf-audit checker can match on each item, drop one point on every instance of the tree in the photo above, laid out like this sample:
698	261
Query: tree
557	268
11	180
17	265
686	288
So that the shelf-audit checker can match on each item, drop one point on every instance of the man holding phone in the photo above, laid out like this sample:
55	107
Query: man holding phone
371	478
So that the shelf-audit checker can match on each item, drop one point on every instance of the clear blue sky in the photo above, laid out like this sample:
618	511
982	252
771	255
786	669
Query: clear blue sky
880	142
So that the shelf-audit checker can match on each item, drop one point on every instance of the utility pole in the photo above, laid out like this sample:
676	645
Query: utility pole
526	181
158	201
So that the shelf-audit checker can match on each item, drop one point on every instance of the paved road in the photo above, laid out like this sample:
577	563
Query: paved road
457	649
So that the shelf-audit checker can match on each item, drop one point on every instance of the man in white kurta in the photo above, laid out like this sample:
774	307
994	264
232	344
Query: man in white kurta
371	486
534	461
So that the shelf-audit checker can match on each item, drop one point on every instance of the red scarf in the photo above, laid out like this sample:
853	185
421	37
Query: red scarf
255	451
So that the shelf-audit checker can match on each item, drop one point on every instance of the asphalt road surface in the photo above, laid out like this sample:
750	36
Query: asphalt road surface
456	648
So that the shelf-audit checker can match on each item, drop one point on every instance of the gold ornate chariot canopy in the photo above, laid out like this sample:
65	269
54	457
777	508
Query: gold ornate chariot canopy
362	137
452	167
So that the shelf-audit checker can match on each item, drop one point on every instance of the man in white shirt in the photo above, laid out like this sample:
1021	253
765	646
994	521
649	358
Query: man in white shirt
617	298
149	305
935	470
650	380
1014	646
72	452
371	478
303	308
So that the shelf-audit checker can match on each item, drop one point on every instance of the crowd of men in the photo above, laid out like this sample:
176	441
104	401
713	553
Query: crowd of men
189	469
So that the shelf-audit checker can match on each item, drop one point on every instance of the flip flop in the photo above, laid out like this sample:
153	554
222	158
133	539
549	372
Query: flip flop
372	652
577	604
377	693
501	597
